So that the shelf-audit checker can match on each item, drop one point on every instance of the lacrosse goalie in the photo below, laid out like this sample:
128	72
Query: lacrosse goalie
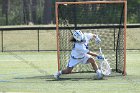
81	54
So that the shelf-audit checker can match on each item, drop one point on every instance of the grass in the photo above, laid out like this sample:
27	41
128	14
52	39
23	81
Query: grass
132	36
30	72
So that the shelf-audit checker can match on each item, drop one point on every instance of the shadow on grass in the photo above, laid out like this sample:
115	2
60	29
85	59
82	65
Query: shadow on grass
62	78
72	77
36	77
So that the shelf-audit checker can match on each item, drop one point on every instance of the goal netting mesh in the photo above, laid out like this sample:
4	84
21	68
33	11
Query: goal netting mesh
104	19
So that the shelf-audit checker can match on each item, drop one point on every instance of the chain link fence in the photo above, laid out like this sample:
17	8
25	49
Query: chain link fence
28	39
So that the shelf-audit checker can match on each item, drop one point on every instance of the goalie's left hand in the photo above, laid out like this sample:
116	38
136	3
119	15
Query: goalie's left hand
100	58
97	39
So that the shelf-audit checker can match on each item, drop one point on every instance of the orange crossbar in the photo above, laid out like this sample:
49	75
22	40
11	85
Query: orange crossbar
92	2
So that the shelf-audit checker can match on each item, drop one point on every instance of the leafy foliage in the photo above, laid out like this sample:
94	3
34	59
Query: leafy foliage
17	12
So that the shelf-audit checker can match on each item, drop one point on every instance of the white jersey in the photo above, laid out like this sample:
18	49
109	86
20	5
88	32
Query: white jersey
80	49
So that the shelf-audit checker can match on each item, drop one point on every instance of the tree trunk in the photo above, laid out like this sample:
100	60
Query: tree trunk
26	11
5	10
47	15
33	9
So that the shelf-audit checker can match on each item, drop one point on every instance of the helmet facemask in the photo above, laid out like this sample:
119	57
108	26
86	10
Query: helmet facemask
78	36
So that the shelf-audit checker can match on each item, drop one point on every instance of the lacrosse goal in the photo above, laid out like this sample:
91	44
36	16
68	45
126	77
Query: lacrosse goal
106	18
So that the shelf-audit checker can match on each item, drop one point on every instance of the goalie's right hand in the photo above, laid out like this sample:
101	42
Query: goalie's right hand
97	39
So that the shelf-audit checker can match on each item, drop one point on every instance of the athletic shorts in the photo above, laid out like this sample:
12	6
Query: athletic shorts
73	62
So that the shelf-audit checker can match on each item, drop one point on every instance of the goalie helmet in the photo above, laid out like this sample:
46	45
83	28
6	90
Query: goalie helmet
78	35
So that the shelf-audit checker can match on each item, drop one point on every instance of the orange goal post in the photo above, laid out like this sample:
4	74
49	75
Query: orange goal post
106	18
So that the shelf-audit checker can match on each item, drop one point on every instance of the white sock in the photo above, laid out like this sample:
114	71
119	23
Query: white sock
60	72
98	71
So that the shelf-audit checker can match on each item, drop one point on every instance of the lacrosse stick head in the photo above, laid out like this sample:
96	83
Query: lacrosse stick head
105	67
104	64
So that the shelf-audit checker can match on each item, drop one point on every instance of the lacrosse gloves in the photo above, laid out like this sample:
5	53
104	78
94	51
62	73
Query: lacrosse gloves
100	58
97	39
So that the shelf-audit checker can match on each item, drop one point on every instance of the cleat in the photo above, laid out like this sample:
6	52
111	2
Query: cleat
99	75
56	76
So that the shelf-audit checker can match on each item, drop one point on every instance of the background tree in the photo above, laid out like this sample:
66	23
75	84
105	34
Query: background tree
5	9
33	8
17	12
47	16
26	11
133	11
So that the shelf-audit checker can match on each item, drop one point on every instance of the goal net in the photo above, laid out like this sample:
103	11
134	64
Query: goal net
105	18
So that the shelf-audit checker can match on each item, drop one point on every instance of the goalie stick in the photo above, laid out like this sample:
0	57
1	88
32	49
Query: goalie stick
104	65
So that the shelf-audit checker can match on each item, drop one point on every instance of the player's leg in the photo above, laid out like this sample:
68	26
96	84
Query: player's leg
71	64
90	59
68	70
64	71
95	67
93	63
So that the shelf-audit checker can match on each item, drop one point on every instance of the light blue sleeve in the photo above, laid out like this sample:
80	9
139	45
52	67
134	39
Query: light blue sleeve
89	36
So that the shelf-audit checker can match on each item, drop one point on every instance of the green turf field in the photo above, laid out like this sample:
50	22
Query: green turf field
32	72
